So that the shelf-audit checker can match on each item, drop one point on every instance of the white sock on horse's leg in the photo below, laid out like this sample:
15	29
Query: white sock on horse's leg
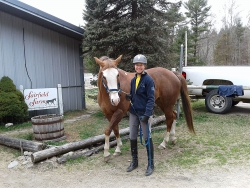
118	147
164	142
106	146
166	138
172	132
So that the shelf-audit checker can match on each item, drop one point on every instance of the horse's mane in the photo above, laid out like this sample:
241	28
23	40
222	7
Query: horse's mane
109	62
103	58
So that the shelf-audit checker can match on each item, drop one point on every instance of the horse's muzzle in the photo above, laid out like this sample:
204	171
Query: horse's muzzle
115	102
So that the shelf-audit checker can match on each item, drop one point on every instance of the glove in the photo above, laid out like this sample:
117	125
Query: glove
144	119
128	97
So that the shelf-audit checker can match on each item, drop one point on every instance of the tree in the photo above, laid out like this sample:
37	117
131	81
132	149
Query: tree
239	34
222	49
129	27
207	46
197	13
178	41
232	45
176	35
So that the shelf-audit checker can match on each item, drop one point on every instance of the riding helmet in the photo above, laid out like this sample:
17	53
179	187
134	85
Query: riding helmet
140	59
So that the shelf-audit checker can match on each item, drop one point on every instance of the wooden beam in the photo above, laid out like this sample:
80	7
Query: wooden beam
58	150
22	144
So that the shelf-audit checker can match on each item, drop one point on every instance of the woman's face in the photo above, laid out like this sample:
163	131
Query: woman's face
139	67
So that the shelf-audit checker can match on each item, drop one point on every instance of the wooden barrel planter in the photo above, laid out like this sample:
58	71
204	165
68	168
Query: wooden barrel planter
48	127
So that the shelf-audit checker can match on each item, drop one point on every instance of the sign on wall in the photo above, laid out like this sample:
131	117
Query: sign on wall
39	99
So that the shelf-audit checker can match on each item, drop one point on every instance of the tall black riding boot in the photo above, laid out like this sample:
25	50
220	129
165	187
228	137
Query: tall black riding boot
134	152
150	152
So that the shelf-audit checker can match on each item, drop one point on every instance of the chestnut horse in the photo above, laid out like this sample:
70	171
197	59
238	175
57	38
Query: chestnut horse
114	83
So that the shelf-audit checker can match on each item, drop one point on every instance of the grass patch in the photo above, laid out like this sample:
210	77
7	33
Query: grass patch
14	152
99	114
219	140
26	136
73	114
93	92
60	143
15	127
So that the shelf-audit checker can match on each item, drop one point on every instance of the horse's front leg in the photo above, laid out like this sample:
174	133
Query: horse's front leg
113	125
118	146
106	154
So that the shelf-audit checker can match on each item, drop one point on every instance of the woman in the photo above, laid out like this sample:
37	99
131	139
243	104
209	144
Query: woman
141	111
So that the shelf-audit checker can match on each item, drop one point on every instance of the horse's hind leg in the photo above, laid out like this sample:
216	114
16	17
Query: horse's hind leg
172	137
170	134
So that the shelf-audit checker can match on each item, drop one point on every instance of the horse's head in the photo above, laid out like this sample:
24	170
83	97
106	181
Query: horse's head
110	77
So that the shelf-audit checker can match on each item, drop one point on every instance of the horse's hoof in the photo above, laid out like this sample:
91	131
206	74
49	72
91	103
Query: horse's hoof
174	142
161	147
117	154
106	159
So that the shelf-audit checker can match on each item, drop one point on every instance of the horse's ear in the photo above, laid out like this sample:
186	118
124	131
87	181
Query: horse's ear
118	60
98	61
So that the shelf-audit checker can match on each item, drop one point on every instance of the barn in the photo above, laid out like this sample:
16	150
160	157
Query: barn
38	50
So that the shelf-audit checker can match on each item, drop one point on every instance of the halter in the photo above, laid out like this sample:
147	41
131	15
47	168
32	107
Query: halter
118	90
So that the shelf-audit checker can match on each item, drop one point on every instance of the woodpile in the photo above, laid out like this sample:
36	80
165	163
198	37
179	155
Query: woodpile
40	153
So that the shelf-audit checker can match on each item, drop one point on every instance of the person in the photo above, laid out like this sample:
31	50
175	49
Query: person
141	111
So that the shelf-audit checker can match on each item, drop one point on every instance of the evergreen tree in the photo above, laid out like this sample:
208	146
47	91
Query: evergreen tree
197	13
128	27
175	35
180	40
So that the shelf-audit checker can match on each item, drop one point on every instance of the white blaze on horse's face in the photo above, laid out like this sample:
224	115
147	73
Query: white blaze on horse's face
111	75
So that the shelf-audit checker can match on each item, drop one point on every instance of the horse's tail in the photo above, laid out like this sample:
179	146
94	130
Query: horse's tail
186	104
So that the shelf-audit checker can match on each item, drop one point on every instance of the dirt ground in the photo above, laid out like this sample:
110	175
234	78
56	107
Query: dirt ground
96	173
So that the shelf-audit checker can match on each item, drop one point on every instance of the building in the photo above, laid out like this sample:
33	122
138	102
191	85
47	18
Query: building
38	50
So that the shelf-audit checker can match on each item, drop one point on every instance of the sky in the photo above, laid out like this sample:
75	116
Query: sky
218	10
68	10
71	10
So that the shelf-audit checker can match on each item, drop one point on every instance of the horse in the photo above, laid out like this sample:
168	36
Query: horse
114	83
51	101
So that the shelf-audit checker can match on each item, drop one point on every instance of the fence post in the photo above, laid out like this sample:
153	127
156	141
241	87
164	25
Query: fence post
180	70
59	89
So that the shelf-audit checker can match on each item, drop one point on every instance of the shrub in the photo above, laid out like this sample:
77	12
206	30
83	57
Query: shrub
12	105
7	85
